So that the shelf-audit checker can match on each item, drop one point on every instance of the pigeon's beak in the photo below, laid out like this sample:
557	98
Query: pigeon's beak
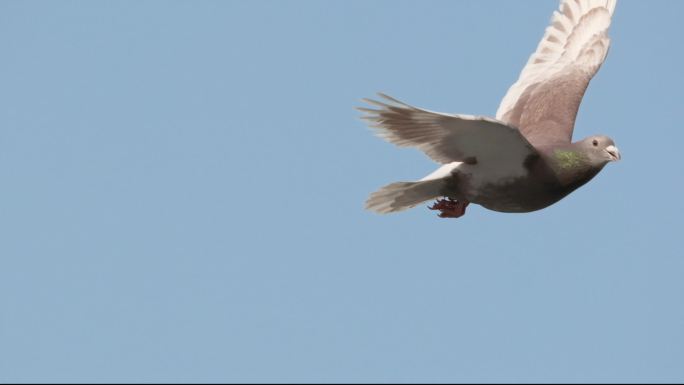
614	153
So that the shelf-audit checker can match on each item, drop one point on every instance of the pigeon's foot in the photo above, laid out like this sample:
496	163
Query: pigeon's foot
450	208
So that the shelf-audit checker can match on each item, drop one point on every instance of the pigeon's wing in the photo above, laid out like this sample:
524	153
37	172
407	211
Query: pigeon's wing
448	138
543	103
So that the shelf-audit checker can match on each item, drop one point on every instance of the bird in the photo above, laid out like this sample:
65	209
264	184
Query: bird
523	159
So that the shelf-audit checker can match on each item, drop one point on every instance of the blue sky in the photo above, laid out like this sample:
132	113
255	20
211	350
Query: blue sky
183	187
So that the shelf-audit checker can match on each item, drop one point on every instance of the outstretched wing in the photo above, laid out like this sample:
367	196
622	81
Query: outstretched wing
447	138
543	103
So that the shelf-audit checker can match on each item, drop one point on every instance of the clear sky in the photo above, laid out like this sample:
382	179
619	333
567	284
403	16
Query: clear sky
182	188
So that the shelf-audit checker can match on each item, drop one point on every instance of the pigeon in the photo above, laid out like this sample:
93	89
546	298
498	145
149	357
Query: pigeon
524	159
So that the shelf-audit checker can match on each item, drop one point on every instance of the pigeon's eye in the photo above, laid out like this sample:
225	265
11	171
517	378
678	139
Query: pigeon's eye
595	142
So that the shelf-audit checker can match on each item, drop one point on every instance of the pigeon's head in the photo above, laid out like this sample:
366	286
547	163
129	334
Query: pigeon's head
600	149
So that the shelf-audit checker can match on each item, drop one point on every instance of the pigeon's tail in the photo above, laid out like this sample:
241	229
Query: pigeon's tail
403	195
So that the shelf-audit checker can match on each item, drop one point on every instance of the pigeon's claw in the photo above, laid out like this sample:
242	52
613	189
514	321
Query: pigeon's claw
450	208
442	204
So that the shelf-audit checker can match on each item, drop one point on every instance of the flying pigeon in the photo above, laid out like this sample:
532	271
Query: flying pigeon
524	160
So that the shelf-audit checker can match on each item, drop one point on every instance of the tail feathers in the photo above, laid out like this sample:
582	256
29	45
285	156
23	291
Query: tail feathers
403	195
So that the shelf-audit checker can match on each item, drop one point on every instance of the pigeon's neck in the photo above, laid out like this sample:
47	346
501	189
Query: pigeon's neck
572	167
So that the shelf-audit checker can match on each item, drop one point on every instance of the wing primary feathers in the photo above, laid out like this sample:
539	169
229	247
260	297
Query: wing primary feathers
445	138
573	47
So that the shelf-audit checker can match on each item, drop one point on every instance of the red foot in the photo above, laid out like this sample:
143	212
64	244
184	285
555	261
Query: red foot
450	208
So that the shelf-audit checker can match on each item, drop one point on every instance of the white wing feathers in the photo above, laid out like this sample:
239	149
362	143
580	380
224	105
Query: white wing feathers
576	43
447	138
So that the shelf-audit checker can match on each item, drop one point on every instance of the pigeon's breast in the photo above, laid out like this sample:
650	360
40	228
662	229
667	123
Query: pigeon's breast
520	188
520	195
